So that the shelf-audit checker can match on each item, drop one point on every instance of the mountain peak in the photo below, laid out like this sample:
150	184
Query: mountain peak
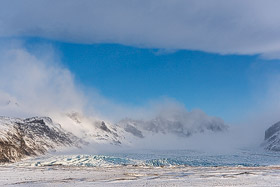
21	138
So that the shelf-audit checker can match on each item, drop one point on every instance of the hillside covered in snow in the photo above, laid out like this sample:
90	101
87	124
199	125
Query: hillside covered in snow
20	138
181	124
272	138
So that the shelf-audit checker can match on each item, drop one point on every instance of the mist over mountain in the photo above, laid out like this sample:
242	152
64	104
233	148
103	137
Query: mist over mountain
21	138
179	123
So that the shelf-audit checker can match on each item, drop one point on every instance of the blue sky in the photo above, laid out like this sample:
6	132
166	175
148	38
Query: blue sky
228	86
221	56
220	85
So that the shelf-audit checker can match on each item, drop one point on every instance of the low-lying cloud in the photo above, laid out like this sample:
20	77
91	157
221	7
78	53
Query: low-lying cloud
225	27
33	86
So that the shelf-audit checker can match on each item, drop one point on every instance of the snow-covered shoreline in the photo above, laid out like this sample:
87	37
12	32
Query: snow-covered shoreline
139	176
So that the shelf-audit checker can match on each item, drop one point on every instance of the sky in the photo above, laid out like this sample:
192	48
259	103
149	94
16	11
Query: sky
222	57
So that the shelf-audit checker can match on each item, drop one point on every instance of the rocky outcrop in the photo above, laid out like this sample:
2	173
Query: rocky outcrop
20	138
272	138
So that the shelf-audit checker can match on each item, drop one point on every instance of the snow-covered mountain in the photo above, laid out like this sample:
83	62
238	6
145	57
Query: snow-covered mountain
272	138
20	138
92	129
183	125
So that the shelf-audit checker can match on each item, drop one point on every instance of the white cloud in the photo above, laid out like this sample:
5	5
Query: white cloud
232	26
30	85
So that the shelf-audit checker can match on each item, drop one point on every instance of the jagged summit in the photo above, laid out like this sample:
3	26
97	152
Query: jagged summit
92	129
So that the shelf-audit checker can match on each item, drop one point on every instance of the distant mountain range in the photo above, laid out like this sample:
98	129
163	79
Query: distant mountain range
177	126
21	138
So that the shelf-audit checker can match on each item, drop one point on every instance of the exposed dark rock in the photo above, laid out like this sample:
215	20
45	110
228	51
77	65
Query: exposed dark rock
104	127
272	138
30	137
74	116
134	131
272	130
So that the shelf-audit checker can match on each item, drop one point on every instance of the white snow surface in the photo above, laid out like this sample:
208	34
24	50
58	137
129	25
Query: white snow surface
91	129
139	176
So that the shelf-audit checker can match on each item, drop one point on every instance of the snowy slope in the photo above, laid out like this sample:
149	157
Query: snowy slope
272	138
181	125
92	130
20	138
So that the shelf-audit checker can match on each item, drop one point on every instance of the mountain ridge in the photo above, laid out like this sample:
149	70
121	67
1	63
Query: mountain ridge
272	138
21	138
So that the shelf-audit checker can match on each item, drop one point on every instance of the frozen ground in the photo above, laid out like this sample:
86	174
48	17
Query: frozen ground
139	176
153	168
